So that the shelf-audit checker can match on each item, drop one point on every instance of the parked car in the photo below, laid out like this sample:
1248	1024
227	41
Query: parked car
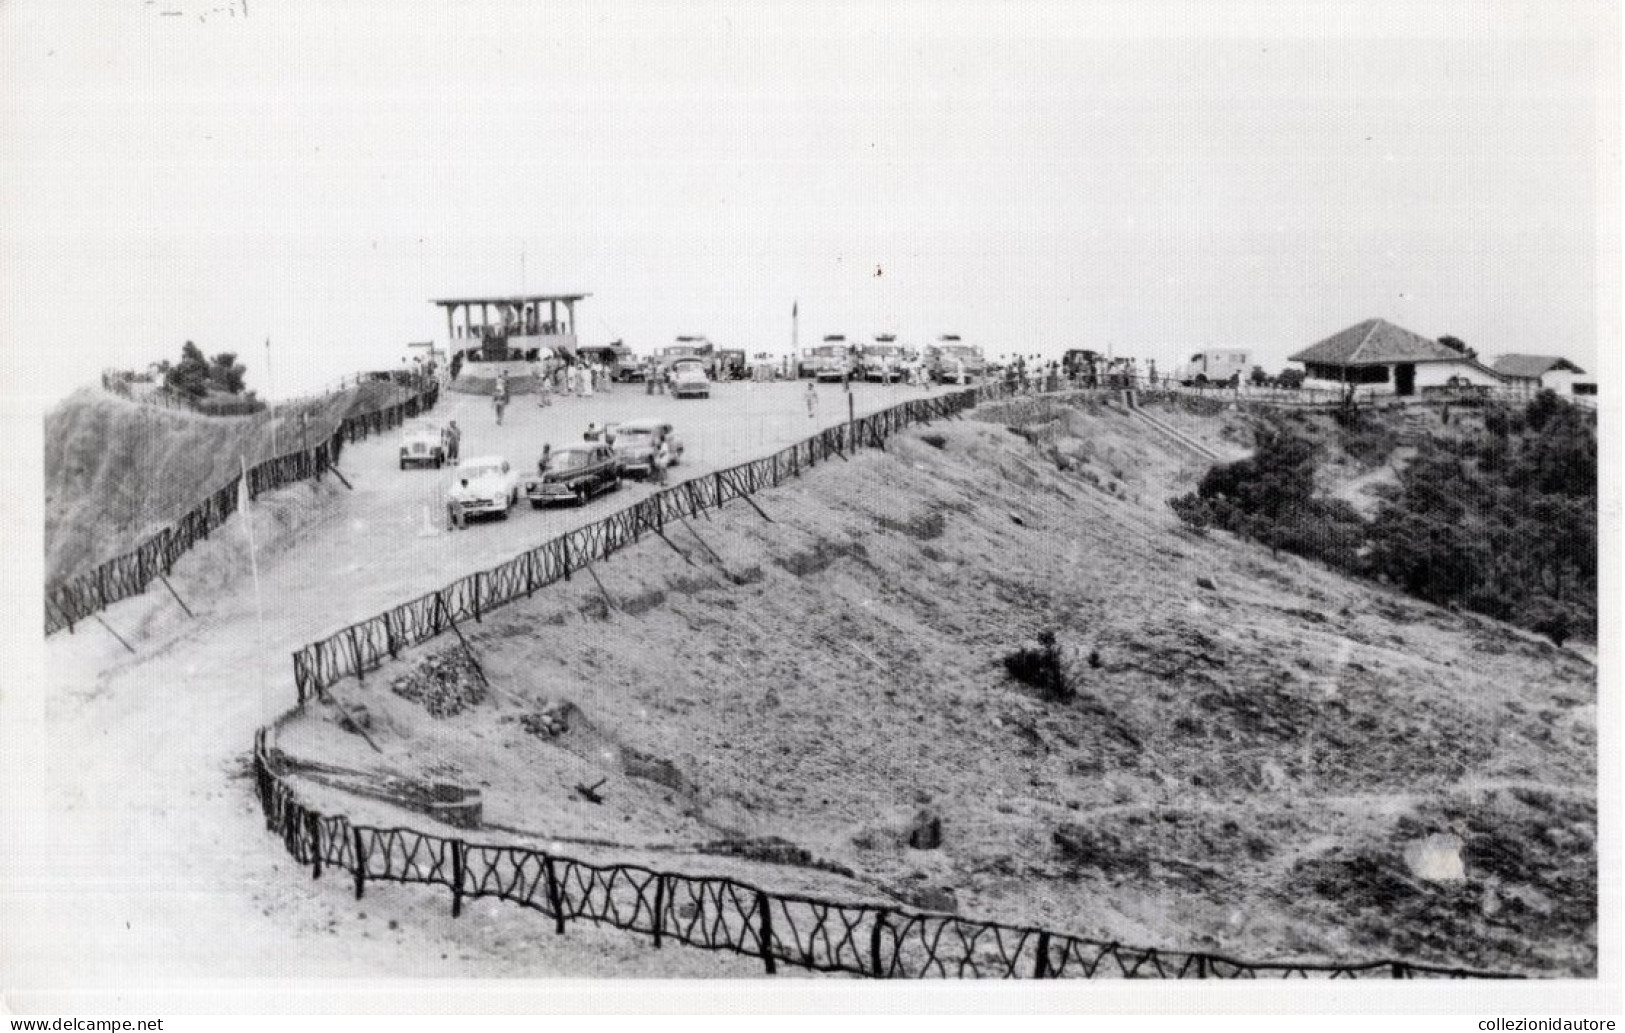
636	442
575	473
482	485
623	365
423	443
688	377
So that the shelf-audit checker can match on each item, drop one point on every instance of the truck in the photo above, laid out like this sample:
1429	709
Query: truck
831	360
1216	366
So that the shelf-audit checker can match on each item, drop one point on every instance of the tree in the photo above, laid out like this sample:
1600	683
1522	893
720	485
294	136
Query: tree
189	377
226	373
1291	379
1258	376
1456	344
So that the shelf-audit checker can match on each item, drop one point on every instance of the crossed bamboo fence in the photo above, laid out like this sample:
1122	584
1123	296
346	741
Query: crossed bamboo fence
72	599
723	914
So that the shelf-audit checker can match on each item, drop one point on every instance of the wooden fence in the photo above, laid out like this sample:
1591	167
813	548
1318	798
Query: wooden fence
72	599
722	914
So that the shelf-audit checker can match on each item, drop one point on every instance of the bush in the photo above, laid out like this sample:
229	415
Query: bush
1041	668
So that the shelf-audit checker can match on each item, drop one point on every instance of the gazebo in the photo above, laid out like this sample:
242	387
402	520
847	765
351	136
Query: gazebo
512	326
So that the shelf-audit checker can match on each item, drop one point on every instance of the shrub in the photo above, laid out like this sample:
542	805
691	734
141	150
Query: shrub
1041	668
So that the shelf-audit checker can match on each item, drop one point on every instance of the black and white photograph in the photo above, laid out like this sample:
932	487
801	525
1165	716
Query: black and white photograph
522	508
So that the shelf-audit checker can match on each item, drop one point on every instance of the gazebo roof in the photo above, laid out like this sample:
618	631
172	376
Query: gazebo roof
509	299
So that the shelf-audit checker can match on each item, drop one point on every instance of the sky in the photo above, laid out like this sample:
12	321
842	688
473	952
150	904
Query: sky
1142	178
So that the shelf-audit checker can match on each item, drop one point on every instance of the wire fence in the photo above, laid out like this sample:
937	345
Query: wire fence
723	914
72	599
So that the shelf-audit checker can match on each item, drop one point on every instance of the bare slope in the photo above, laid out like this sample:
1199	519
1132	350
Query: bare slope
117	471
1255	762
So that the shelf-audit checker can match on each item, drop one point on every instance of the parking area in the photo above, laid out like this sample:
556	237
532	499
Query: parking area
387	540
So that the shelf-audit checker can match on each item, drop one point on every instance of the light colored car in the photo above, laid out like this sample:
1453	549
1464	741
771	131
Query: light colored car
688	378
575	473
423	443
636	442
484	484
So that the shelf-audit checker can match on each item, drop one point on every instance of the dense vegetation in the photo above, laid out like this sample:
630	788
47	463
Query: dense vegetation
1501	520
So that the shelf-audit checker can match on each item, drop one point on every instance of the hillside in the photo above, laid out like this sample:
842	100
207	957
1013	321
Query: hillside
1262	758
117	471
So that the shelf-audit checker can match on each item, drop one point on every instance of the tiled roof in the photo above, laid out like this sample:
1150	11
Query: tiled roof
1375	342
1531	367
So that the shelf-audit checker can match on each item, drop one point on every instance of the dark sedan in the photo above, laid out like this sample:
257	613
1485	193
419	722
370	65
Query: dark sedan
575	473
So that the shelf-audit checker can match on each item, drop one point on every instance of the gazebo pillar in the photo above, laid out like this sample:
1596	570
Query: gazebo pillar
451	337
553	316
570	314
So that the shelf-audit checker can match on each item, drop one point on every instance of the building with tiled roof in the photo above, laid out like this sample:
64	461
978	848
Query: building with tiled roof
1383	358
1536	372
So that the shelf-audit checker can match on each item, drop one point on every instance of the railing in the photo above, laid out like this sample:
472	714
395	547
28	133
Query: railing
723	914
72	599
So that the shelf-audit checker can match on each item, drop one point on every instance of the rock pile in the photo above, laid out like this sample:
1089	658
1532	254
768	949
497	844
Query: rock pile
446	683
549	722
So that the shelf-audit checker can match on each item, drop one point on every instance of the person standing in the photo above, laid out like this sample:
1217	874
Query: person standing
454	441
456	520
662	460
541	464
499	402
812	399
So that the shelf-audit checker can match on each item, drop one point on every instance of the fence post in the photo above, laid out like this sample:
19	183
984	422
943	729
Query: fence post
458	865
355	649
313	828
765	930
1201	966
660	908
555	898
874	944
1041	967
360	863
1397	968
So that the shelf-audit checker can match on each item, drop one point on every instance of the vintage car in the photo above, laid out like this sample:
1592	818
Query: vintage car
636	442
688	378
484	484
423	443
575	473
